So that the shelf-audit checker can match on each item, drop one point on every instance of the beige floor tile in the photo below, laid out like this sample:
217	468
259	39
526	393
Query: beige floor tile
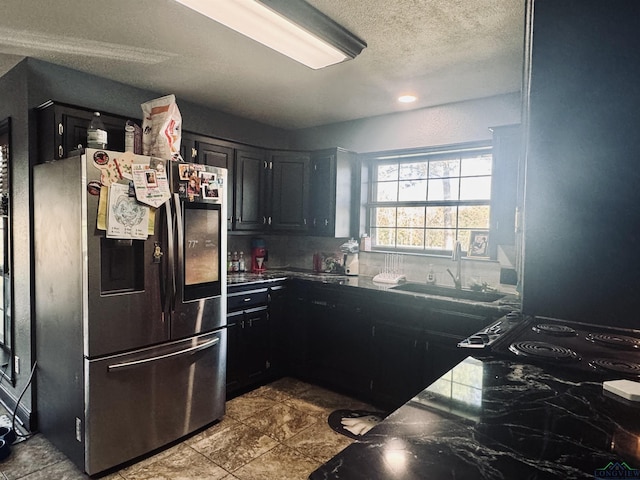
319	442
234	447
182	464
321	402
281	421
226	422
37	453
243	407
280	463
290	386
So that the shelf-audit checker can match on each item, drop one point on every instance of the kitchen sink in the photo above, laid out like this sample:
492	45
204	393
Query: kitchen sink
465	294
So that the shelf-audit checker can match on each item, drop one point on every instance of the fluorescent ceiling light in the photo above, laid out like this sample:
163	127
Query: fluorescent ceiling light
304	34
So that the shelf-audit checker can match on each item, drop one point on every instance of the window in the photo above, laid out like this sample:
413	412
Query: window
422	201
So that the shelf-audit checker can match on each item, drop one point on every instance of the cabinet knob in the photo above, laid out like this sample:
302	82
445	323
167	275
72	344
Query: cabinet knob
326	222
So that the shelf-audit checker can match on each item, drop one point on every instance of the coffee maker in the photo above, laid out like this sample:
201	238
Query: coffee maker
259	255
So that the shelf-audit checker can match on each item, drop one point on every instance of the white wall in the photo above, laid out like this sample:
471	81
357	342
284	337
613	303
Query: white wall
441	125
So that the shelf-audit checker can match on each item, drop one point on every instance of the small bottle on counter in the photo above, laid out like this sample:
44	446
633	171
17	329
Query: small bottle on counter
241	263
431	276
96	134
229	263
235	262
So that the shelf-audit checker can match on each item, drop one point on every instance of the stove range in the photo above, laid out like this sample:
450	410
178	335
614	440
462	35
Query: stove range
607	351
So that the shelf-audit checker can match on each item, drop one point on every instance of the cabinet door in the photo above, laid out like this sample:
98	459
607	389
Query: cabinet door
332	208
398	355
188	147
214	155
398	350
63	129
290	191
278	305
250	184
256	343
234	352
507	151
323	194
339	347
442	354
293	338
217	155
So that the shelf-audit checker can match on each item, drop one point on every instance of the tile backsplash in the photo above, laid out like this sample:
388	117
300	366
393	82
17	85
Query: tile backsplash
298	251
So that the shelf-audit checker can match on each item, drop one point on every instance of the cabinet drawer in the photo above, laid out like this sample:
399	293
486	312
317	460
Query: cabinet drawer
249	299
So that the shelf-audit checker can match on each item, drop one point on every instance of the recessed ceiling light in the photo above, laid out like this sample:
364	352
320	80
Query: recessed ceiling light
407	98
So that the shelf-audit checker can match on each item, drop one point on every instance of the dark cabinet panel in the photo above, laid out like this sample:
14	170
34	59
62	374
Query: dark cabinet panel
339	342
256	344
289	191
250	186
507	152
580	228
250	344
63	129
332	193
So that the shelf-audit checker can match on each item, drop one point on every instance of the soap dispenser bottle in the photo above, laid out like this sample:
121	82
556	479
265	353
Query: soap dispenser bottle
431	276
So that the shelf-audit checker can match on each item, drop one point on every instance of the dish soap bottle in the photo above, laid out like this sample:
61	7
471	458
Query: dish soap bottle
431	276
96	134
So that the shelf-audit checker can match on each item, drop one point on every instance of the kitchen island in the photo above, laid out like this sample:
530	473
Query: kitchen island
493	418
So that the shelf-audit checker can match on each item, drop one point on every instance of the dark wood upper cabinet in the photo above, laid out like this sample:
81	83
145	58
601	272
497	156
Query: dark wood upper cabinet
332	192
63	128
250	190
289	191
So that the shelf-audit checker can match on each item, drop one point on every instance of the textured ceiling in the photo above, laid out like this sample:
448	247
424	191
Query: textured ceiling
441	50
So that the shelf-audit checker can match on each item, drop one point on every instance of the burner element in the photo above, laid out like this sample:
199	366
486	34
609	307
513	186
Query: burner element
620	342
617	366
544	351
555	330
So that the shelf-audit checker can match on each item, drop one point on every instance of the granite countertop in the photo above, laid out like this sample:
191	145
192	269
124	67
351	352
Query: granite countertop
492	418
506	304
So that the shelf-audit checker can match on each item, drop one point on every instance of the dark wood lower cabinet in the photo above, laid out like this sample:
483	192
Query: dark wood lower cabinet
375	348
398	357
253	317
339	343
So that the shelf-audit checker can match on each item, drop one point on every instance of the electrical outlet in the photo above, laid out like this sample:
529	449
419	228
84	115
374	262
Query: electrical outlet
78	429
16	364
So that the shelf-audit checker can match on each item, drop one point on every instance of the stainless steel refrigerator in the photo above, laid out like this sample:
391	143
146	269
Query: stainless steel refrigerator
130	303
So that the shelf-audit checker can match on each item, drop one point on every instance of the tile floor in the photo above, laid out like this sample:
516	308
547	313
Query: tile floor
276	432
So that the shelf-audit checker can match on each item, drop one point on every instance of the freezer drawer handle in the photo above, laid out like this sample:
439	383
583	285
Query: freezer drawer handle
203	346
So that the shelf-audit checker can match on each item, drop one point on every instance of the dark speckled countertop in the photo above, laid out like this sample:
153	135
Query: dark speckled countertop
363	284
491	418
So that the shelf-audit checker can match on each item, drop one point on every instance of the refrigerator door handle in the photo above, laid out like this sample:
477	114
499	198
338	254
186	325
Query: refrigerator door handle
170	292
136	363
180	245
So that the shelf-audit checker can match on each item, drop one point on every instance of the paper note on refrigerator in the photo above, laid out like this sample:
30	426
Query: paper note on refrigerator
150	181
126	217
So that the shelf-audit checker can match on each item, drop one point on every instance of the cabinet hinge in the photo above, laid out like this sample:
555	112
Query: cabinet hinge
60	129
267	365
194	153
373	331
371	386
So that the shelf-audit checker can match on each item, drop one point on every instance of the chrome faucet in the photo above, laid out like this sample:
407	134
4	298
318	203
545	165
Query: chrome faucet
456	256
